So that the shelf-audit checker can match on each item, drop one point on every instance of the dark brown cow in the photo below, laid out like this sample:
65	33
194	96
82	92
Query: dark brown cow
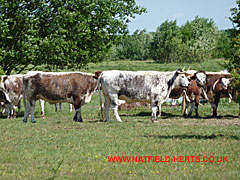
11	93
72	87
218	87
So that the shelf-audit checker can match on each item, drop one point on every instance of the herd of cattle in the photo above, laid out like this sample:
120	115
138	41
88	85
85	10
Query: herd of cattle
77	88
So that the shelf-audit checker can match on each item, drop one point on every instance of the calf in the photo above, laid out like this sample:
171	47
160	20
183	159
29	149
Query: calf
11	93
72	87
144	86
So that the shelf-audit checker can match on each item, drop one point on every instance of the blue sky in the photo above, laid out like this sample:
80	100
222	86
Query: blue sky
182	10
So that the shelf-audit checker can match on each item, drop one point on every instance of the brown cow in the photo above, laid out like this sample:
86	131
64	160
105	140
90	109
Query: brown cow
11	93
218	87
193	92
54	87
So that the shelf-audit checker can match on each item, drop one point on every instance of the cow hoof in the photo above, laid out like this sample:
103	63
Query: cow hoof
155	121
79	120
119	121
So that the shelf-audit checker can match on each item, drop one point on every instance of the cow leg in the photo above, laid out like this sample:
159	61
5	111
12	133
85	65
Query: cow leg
70	108
8	109
56	107
77	116
154	112
27	109
14	111
215	105
115	112
107	107
33	102
42	108
186	109
197	100
159	111
196	110
60	107
192	107
19	107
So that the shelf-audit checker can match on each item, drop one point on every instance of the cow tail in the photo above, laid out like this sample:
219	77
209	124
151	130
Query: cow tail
184	103
24	93
100	96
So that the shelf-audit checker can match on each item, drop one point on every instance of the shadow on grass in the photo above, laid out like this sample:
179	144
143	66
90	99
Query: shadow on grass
185	136
221	117
163	116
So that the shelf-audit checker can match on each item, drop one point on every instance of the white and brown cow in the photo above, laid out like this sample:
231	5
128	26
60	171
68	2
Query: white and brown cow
54	87
218	87
11	93
141	86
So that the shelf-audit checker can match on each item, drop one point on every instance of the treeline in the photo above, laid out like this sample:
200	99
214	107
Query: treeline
194	41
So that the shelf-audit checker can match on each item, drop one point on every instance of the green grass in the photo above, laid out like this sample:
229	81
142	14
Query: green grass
150	65
58	148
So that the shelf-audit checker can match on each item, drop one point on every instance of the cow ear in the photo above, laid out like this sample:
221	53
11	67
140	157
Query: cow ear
97	74
3	78
176	73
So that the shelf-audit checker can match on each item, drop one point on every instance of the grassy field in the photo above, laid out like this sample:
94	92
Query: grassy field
58	148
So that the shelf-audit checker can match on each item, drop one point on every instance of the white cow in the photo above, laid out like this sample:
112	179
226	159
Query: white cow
144	86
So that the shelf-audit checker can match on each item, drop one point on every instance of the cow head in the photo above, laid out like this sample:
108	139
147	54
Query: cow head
201	78
97	74
225	82
181	81
2	87
2	80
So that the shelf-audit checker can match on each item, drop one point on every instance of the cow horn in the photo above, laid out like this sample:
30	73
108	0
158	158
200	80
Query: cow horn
205	94
215	83
183	68
188	68
230	96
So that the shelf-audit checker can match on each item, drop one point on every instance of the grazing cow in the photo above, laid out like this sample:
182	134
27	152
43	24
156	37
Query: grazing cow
72	87
218	87
141	86
11	93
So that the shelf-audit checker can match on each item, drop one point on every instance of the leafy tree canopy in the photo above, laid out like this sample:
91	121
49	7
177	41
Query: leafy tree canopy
60	33
234	64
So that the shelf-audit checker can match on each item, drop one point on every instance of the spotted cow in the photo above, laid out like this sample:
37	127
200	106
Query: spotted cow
141	86
11	93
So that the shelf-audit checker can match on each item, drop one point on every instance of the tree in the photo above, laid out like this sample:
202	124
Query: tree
60	34
200	37
135	47
223	47
234	63
167	42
